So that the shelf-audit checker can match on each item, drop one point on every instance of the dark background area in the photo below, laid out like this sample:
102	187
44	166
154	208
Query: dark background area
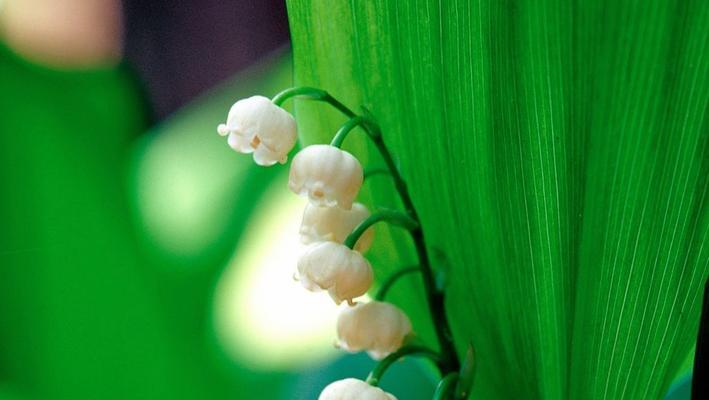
181	48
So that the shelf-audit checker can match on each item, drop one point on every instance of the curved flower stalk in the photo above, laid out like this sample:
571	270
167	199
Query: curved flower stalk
379	328
335	224
376	375
256	125
392	279
338	229
330	266
353	389
433	295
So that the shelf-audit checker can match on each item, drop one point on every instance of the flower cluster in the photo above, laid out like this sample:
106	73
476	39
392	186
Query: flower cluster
337	229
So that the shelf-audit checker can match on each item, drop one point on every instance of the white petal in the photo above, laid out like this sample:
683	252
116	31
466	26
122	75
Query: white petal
257	116
327	175
353	389
265	157
240	143
335	224
222	130
344	273
376	327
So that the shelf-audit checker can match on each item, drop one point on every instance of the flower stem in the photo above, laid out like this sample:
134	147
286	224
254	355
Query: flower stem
435	298
384	289
311	93
368	172
376	375
443	390
392	216
348	126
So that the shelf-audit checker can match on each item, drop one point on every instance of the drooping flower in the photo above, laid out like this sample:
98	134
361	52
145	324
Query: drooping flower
353	389
334	224
256	125
331	266
327	175
376	327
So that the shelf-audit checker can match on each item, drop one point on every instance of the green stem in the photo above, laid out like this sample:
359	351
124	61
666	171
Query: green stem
352	123
376	375
368	172
311	93
391	216
384	289
434	297
443	390
436	305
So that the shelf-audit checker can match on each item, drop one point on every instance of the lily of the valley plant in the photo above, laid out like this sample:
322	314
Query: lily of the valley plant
338	230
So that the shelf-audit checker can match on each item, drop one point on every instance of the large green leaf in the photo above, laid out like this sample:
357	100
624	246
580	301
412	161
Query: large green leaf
556	152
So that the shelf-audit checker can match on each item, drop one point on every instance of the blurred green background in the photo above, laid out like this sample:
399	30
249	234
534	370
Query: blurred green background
151	264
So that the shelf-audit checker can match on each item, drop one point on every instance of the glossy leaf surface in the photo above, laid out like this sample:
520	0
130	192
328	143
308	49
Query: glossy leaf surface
556	153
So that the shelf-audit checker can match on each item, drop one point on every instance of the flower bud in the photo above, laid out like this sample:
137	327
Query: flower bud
334	224
353	389
327	175
331	266
256	125
377	327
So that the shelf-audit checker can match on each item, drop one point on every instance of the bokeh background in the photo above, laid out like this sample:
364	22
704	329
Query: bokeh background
140	258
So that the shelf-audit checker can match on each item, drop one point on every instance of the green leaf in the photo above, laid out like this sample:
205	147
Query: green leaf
556	153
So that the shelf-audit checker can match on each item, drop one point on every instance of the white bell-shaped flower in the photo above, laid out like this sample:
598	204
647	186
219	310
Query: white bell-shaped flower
353	389
376	327
331	266
327	175
334	224
256	125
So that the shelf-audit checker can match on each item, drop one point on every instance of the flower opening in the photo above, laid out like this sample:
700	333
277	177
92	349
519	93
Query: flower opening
327	175
331	266
376	327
